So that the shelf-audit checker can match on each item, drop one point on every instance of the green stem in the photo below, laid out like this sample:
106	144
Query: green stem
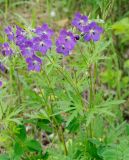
91	86
58	129
18	84
63	140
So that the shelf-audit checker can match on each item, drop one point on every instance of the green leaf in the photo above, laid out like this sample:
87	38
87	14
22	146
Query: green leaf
18	150
111	103
33	145
126	64
22	133
92	148
71	117
74	125
44	125
121	26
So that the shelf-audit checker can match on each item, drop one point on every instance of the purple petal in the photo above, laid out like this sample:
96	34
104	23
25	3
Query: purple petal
87	37
95	36
37	68
1	83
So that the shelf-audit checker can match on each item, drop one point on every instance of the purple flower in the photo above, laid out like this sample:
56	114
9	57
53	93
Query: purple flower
92	32
1	84
9	33
62	47
20	36
80	21
34	63
65	42
27	48
2	67
42	44
68	38
44	30
20	32
6	50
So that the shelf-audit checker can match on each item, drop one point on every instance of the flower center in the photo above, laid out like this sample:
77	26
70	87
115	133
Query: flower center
11	33
42	44
35	62
44	32
63	47
28	49
67	38
81	22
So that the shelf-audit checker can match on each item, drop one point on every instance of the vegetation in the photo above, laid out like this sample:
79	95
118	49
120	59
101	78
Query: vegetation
64	80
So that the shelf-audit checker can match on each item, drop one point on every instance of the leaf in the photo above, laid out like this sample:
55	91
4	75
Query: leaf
18	150
33	146
121	26
92	148
126	64
22	133
44	125
110	103
74	125
72	116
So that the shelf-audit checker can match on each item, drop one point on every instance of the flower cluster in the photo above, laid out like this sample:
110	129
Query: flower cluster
90	30
40	40
65	42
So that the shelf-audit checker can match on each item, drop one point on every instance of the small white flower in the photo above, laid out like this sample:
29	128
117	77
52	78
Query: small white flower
53	13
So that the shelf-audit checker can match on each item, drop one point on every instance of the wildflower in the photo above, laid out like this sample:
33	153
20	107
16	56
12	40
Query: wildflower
80	21
1	84
27	48
20	36
92	32
9	33
20	32
42	44
34	63
2	67
52	13
44	30
68	37
62	48
6	50
65	42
